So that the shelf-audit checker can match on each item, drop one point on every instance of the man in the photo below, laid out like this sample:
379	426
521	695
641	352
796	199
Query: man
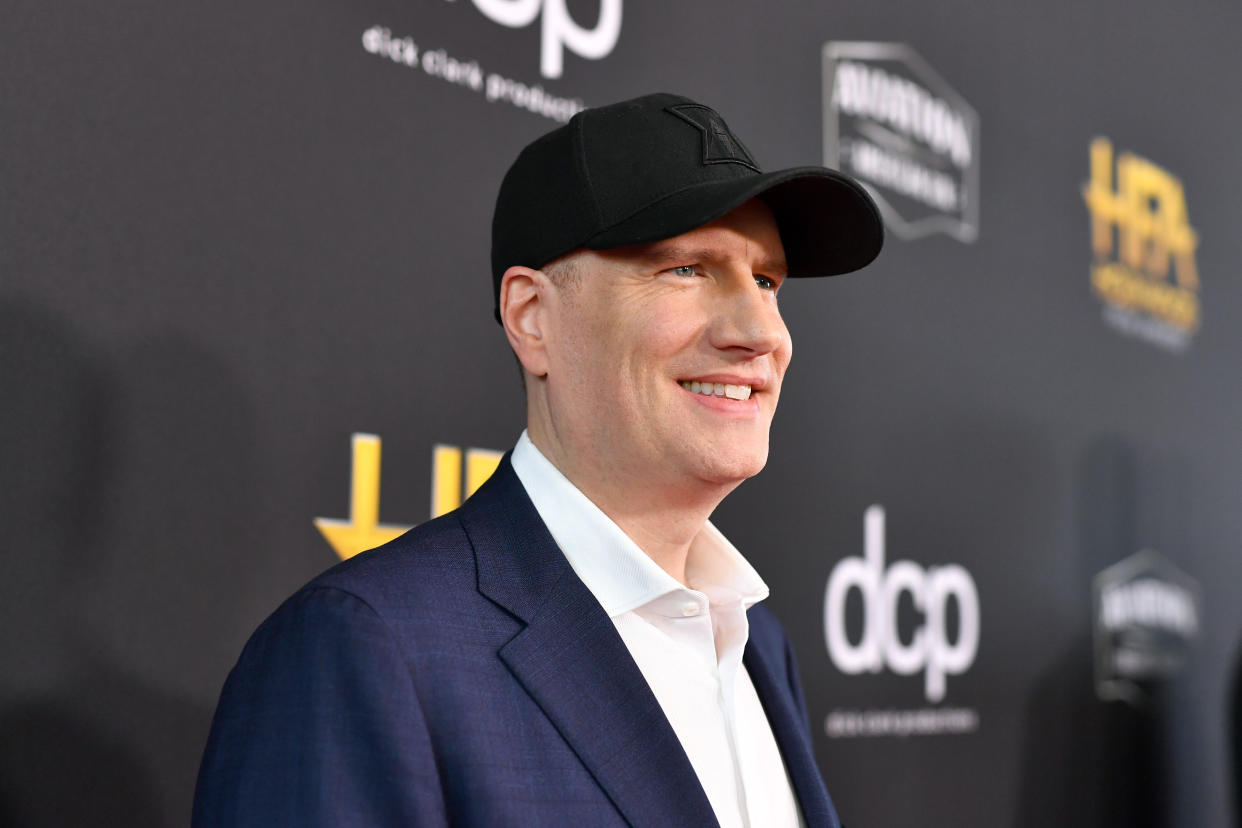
577	645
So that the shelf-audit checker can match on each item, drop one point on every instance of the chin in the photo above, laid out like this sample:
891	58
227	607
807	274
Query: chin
736	468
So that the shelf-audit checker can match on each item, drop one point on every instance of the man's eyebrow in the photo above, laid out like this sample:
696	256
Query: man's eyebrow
661	252
773	267
672	253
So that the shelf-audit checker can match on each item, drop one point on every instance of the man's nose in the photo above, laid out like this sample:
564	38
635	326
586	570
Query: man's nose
747	318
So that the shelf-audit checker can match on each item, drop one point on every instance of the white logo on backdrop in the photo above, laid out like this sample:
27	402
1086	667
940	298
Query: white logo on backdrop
1146	620
892	122
467	73
559	30
929	650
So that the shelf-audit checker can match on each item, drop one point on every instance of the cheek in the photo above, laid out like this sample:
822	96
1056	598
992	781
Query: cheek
650	337
675	328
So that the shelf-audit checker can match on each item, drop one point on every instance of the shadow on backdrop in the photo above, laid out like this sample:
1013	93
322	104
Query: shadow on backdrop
1235	726
1090	762
124	489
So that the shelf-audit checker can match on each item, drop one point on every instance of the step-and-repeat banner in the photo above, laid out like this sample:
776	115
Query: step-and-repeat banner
246	331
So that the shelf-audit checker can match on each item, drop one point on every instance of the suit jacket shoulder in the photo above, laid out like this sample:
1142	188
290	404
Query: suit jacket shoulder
462	673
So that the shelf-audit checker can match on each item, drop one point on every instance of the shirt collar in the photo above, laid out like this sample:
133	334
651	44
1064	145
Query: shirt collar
610	564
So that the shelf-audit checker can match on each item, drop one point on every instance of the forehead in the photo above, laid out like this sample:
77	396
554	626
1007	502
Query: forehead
747	234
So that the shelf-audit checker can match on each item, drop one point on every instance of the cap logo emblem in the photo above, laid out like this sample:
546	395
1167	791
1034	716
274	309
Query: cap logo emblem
720	146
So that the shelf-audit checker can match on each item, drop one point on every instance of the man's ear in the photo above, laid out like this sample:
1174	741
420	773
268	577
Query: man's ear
523	306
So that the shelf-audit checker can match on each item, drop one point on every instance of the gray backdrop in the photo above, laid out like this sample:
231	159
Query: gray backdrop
234	234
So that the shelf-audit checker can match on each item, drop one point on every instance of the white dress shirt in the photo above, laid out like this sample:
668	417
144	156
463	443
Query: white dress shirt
687	642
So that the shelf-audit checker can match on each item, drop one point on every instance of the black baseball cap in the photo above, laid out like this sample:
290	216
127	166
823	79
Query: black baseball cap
655	167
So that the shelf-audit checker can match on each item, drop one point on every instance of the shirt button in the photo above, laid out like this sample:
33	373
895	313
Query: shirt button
690	609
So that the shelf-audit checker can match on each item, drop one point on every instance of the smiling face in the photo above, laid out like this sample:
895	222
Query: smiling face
664	361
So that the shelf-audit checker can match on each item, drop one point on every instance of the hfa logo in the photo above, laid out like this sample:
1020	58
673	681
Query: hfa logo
929	648
363	530
559	30
891	121
1144	269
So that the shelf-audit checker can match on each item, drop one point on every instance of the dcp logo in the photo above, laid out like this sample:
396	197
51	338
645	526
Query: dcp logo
559	28
929	648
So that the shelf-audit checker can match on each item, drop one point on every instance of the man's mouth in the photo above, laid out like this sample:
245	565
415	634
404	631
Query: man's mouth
717	389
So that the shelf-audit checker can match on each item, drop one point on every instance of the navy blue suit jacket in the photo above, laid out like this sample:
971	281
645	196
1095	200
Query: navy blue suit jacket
463	674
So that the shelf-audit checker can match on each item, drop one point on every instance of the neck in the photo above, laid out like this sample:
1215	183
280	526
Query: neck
662	517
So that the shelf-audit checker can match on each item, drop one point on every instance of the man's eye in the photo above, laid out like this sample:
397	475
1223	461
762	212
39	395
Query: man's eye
764	282
682	270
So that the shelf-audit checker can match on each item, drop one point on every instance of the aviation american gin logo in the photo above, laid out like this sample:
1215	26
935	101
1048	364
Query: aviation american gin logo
893	123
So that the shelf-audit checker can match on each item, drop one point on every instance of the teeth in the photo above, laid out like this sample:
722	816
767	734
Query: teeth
718	389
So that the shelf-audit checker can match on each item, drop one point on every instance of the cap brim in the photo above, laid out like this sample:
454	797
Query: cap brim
828	223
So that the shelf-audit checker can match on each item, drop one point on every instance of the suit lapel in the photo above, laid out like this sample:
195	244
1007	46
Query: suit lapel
575	666
787	727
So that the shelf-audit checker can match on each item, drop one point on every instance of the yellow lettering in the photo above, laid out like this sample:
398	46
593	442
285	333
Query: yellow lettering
445	479
1121	287
446	475
363	530
480	464
1104	207
1148	212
